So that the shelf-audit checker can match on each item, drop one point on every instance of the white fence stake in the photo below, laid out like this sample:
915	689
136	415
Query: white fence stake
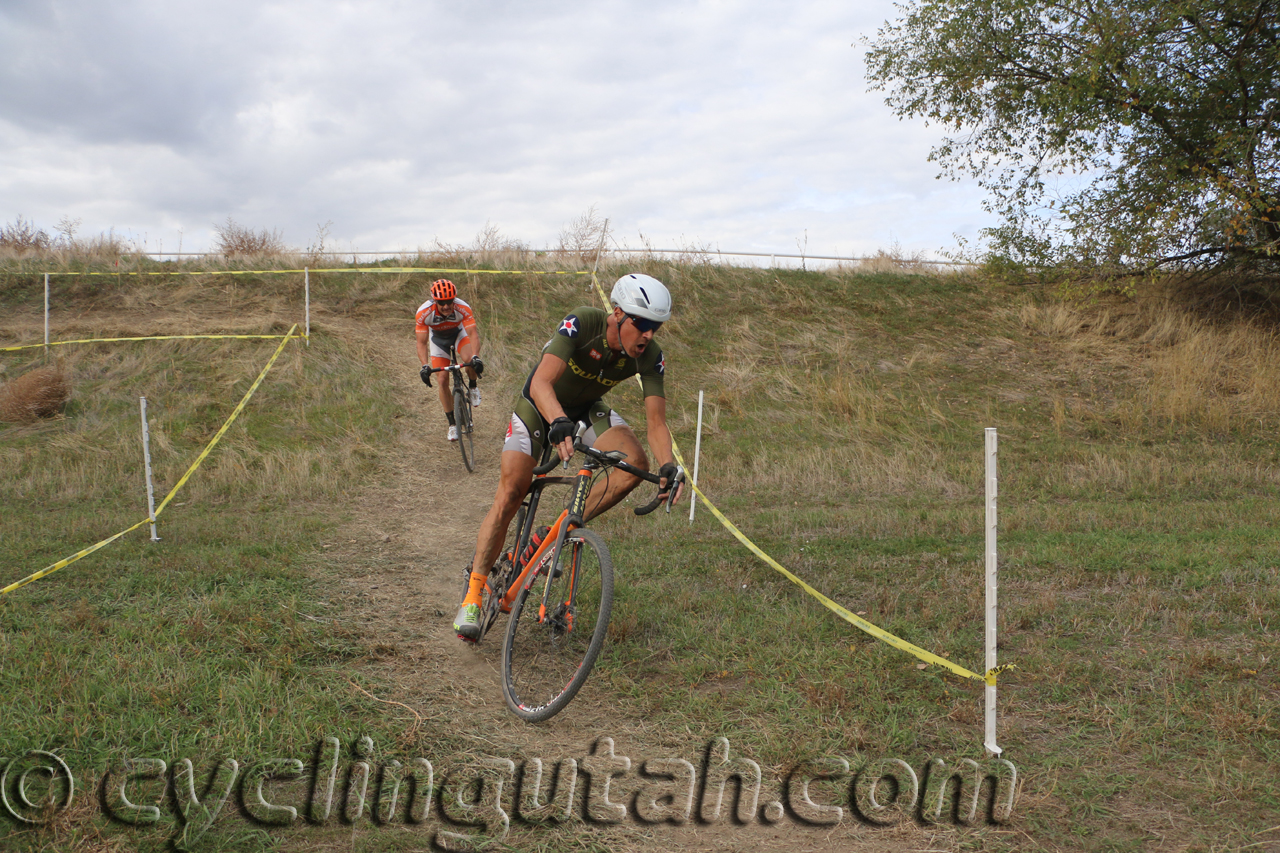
46	316
697	452
306	287
146	457
992	586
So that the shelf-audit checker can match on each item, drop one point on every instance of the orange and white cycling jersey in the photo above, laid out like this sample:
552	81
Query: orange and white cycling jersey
430	318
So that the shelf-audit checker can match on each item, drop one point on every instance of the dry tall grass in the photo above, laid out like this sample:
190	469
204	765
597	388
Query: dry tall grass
41	393
22	239
1192	371
490	249
894	260
191	388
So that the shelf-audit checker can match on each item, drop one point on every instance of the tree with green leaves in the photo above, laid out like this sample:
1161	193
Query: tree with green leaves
1112	135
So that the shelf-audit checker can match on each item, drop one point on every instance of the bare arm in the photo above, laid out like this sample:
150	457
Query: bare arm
544	396
659	434
424	353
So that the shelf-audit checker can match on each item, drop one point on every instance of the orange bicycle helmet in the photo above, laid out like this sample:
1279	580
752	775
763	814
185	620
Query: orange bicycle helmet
443	289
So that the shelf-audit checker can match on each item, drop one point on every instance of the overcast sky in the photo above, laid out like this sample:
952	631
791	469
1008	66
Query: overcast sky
736	125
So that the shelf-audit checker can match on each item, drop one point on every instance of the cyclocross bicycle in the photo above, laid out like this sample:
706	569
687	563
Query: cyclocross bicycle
559	593
461	407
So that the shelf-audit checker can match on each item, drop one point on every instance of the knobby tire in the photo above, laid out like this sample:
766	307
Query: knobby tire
545	664
462	419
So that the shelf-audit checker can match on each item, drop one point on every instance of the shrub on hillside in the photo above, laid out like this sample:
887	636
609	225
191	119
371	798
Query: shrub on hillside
236	241
40	393
22	236
582	238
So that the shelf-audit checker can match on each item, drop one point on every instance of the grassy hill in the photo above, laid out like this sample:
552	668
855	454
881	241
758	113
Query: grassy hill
843	434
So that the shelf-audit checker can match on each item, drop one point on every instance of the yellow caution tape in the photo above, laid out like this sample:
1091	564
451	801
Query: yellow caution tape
236	413
145	338
857	621
204	453
69	560
335	269
853	619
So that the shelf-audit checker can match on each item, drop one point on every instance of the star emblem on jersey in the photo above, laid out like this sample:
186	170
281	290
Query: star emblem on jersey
569	327
662	364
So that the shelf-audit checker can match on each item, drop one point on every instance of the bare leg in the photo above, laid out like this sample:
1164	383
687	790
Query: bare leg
446	395
608	490
513	483
465	352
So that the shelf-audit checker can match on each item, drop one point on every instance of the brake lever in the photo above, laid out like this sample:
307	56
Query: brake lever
675	483
578	446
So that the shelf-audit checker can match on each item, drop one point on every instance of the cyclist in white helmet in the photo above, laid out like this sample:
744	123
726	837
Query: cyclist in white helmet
591	351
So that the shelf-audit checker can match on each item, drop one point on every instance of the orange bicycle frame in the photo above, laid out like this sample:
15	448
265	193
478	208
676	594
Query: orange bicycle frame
553	534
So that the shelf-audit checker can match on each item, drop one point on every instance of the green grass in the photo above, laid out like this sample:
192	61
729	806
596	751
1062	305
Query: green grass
1139	576
1138	567
219	640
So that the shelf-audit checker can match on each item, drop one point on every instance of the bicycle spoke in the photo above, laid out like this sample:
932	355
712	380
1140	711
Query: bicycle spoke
462	417
549	653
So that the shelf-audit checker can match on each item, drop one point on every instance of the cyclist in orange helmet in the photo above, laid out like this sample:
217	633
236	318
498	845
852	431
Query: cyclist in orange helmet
443	322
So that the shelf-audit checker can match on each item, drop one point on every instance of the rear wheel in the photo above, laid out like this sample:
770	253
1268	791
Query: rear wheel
549	652
462	418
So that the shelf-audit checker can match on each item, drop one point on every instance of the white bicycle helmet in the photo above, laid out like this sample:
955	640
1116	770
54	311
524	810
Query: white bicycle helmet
643	296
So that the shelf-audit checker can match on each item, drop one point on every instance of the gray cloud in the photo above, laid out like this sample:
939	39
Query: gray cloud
123	72
739	123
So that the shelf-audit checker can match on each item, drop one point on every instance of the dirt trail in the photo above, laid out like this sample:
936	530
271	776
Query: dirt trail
417	527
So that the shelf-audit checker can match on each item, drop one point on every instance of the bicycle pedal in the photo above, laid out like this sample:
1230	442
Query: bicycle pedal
468	640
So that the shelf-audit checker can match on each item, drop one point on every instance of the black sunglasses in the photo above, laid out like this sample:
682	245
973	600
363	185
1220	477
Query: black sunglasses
643	324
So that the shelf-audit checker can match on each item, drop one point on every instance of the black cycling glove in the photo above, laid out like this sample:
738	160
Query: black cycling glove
425	373
477	365
668	473
561	428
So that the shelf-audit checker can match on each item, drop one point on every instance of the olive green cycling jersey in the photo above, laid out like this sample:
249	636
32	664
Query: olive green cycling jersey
593	368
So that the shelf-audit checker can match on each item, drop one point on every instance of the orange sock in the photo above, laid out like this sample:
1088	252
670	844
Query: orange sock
474	589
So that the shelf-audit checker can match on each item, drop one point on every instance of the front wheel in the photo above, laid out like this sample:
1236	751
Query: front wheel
557	628
462	418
